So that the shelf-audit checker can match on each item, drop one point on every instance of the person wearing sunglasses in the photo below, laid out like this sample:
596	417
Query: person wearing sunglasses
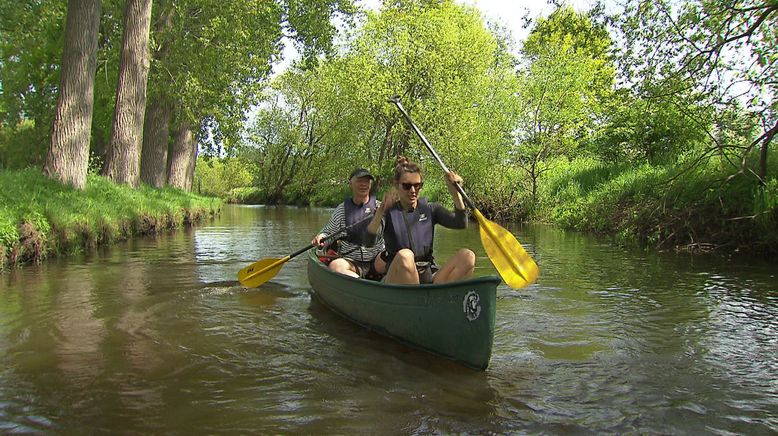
407	223
355	259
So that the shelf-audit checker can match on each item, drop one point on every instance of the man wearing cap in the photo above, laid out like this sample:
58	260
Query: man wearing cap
355	259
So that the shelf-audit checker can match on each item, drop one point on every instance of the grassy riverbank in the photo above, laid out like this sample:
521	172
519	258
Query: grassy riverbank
695	208
685	205
40	217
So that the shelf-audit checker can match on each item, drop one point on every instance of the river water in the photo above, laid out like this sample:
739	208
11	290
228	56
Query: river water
156	336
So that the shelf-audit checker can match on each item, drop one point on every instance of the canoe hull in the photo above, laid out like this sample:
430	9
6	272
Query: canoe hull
453	320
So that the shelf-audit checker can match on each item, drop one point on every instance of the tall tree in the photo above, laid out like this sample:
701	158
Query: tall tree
453	74
290	136
564	79
156	129
123	159
156	139
69	151
218	55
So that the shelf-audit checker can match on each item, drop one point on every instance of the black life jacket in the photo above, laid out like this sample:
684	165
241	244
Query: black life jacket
422	231
354	214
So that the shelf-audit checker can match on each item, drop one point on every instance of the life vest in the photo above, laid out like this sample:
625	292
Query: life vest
354	214
418	225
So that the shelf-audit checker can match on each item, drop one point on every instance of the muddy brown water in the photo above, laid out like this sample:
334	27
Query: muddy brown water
155	336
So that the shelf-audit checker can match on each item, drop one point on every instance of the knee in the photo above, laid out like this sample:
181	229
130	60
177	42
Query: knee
339	265
406	258
467	258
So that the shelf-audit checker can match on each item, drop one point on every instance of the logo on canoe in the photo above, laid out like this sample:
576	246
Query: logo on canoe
472	305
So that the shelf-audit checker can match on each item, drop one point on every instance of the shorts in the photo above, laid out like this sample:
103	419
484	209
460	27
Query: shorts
365	269
426	271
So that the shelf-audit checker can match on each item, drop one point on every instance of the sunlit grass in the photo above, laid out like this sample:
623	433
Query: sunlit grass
663	205
40	217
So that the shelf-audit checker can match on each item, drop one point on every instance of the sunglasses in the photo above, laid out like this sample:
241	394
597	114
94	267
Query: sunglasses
408	186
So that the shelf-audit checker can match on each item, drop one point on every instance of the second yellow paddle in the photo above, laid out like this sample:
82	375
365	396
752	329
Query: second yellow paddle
263	270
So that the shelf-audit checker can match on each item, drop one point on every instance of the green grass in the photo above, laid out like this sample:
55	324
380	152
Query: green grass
664	206
40	217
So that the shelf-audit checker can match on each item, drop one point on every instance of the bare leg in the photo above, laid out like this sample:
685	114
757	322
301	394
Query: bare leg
459	267
342	266
379	265
402	270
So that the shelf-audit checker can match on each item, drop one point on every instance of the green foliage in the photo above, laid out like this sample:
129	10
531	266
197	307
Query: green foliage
663	206
452	76
54	218
504	195
31	41
710	53
218	177
325	193
571	188
215	58
562	89
246	195
310	26
212	60
639	130
317	125
284	141
20	146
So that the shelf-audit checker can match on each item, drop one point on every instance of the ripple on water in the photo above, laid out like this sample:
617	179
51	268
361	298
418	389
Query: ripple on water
158	337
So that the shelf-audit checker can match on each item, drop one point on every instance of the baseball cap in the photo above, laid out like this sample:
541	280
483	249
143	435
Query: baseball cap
361	172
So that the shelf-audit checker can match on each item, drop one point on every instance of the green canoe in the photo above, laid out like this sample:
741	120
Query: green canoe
454	320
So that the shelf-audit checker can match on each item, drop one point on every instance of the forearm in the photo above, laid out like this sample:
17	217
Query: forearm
375	227
369	238
452	220
459	203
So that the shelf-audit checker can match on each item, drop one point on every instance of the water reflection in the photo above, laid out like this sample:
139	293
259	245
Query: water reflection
394	378
78	332
267	295
157	336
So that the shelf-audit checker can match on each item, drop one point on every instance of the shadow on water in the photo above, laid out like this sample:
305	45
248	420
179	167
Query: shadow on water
357	337
266	295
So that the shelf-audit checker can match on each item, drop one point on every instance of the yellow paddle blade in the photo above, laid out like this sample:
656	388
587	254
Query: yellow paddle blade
260	271
510	259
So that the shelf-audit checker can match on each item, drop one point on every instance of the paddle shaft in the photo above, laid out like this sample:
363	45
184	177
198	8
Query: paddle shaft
301	251
396	101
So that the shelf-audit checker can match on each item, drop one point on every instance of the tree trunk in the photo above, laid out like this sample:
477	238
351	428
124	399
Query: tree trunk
763	152
182	158
156	129
68	155
123	160
156	138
